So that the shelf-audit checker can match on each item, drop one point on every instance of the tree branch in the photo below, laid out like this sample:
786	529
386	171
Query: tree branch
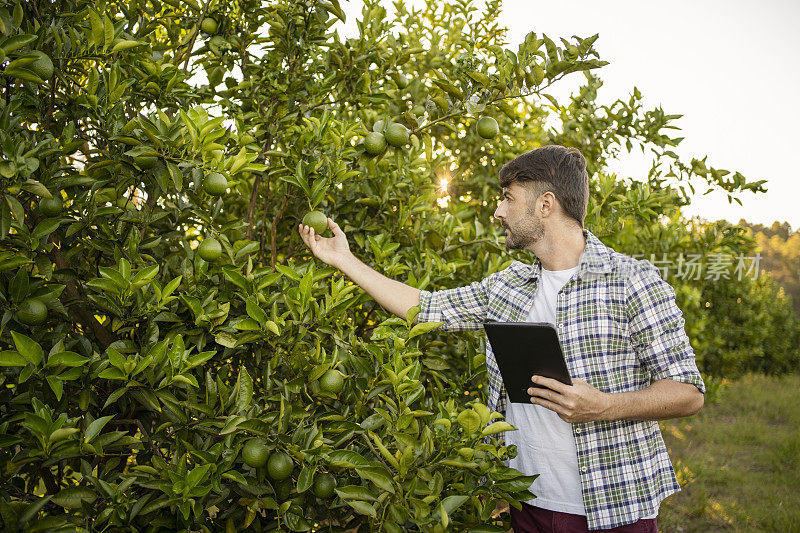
251	209
138	423
79	313
273	236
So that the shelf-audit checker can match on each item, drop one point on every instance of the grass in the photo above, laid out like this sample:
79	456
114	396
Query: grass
737	460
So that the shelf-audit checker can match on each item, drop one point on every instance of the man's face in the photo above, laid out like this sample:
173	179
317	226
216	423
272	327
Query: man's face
517	214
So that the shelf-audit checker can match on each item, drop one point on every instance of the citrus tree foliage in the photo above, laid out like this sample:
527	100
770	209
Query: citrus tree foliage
138	366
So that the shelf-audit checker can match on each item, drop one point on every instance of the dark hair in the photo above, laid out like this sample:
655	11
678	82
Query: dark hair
557	169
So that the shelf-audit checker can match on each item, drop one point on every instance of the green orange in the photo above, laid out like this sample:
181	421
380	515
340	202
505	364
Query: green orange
51	207
215	184
145	162
400	80
331	381
280	466
488	127
397	135
255	453
375	143
324	485
42	66
317	220
209	25
32	312
210	249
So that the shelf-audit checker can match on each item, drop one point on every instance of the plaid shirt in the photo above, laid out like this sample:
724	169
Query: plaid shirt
619	328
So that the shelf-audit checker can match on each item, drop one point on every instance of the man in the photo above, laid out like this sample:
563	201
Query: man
596	445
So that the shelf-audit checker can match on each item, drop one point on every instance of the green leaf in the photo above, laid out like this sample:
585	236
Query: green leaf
176	352
197	475
235	476
305	287
412	313
126	45
451	503
32	509
56	386
28	348
5	219
347	459
273	327
62	434
9	440
379	476
16	208
317	371
97	28
15	42
305	479
237	279
95	427
108	37
225	339
113	373
516	484
71	498
497	427
362	507
171	286
12	358
103	285
244	390
114	396
247	324
469	420
231	425
114	275
355	492
116	358
288	271
34	187
45	227
144	276
423	327
257	427
66	359
255	312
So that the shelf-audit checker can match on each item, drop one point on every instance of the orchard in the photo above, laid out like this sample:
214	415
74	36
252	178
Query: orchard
174	359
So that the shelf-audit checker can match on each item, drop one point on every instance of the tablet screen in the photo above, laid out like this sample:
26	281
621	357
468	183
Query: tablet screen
525	349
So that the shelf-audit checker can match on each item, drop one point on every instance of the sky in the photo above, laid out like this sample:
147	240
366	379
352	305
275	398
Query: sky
729	67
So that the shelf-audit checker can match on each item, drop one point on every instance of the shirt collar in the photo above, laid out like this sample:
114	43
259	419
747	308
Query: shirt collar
595	258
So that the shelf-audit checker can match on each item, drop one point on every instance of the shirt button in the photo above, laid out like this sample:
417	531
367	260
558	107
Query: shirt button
583	470
577	429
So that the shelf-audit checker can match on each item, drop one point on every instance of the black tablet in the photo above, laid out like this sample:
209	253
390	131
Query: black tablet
525	349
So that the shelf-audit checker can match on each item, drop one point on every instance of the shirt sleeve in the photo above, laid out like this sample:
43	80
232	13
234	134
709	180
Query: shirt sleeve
461	309
657	328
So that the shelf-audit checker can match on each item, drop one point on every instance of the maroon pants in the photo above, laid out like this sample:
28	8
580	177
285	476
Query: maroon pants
532	519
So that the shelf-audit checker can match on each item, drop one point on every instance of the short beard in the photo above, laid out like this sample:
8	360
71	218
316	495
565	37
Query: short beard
531	232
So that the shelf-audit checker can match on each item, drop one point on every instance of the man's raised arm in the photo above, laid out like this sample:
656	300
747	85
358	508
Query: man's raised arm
394	296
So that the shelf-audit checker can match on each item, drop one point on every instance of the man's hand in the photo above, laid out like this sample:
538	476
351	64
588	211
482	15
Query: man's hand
330	251
579	402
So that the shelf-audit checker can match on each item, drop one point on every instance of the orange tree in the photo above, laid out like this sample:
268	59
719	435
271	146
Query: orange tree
172	357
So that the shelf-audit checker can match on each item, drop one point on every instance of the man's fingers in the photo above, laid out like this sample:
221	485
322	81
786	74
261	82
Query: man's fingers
549	405
550	383
543	393
334	227
307	234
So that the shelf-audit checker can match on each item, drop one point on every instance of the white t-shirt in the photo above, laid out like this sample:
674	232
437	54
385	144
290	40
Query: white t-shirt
545	443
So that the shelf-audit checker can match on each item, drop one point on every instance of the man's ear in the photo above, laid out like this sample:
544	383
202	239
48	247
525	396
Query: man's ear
548	203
